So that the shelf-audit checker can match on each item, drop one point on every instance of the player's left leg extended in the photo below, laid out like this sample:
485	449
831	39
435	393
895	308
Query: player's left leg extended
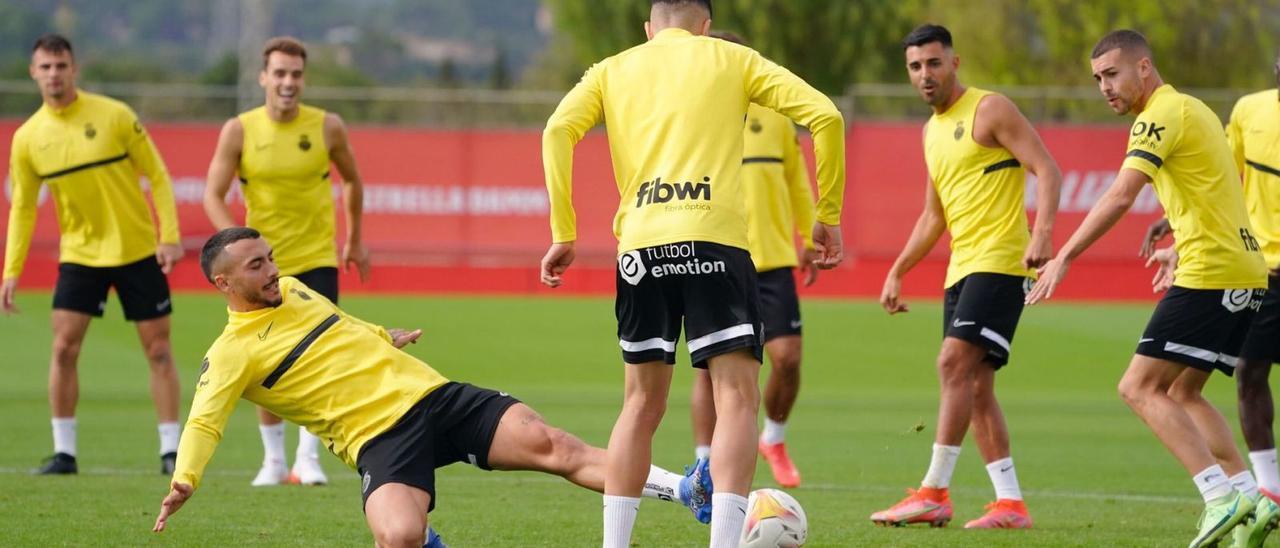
992	437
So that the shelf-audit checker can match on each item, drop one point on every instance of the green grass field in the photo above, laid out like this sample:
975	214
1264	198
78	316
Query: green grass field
1092	473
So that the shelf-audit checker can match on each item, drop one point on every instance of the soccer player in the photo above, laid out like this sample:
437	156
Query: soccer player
390	416
282	151
976	145
89	149
1216	270
675	108
775	184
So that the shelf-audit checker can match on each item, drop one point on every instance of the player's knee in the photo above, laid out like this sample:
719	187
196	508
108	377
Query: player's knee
1132	390
953	369
645	407
737	399
1183	394
787	363
400	535
65	352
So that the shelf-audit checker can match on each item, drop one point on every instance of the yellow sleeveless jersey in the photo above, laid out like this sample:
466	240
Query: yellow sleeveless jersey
89	154
775	184
310	363
674	109
1254	136
284	171
981	190
1180	144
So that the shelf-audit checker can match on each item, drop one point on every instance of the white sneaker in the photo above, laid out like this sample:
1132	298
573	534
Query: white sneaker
307	471
273	472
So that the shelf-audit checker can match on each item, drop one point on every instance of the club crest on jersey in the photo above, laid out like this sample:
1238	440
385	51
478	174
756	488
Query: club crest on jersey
89	131
631	267
301	294
755	126
959	130
304	143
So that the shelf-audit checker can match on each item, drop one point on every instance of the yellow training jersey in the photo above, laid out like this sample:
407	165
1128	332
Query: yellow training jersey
1179	143
1254	136
89	154
981	190
674	108
284	171
775	183
310	363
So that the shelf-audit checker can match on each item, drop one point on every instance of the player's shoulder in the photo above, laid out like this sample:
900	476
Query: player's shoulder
992	103
104	103
1255	100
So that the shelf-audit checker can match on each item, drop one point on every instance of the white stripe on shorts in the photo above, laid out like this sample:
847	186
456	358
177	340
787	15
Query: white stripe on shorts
648	344
721	336
1198	353
1229	361
995	338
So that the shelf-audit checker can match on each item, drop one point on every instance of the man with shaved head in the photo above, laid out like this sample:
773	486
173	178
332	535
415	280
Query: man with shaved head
1215	273
675	107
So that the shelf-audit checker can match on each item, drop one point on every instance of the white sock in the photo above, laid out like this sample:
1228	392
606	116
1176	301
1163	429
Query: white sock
702	452
941	466
662	485
64	435
308	445
272	442
169	432
619	518
1213	483
728	512
774	432
1244	483
1005	479
1264	467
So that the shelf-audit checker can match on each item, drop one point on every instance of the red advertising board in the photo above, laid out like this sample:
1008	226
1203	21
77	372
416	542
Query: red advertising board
467	210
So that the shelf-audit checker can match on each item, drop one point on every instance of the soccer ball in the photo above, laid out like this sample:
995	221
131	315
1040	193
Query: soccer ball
774	520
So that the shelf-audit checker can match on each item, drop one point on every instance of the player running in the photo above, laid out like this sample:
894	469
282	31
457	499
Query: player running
1216	272
390	416
282	151
89	149
976	145
675	108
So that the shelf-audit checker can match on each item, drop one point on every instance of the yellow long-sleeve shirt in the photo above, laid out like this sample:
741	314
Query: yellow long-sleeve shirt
775	184
310	363
675	108
89	154
1254	135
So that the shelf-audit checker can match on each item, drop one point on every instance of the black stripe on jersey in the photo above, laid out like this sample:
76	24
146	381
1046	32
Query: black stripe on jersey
244	181
1004	164
83	167
1263	167
325	175
762	160
297	351
1146	156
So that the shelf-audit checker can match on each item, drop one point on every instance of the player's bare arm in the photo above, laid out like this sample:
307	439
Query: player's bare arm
222	171
354	251
1104	215
1000	123
929	227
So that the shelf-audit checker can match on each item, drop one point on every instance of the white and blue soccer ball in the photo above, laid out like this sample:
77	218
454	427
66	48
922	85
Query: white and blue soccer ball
774	520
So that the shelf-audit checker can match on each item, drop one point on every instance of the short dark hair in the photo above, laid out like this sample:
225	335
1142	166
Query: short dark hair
727	36
52	43
704	3
287	45
1124	40
217	244
927	33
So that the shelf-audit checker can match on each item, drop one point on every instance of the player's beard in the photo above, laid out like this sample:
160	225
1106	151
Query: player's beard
258	297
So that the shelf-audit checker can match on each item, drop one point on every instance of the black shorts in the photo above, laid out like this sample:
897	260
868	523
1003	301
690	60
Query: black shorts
323	280
983	308
1263	341
141	285
711	287
779	303
1201	328
454	423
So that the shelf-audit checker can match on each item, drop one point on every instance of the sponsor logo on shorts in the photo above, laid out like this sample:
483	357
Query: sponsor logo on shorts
162	305
795	324
631	267
471	458
364	483
1235	300
958	323
686	251
1027	284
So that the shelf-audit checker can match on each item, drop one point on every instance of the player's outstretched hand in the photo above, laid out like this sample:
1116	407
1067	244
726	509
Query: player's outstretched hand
168	255
7	291
555	262
1156	232
354	252
828	244
808	259
403	337
1039	251
178	495
1167	261
1051	274
890	296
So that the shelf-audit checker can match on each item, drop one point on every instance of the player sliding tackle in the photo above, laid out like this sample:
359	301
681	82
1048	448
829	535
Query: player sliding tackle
1215	269
384	412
